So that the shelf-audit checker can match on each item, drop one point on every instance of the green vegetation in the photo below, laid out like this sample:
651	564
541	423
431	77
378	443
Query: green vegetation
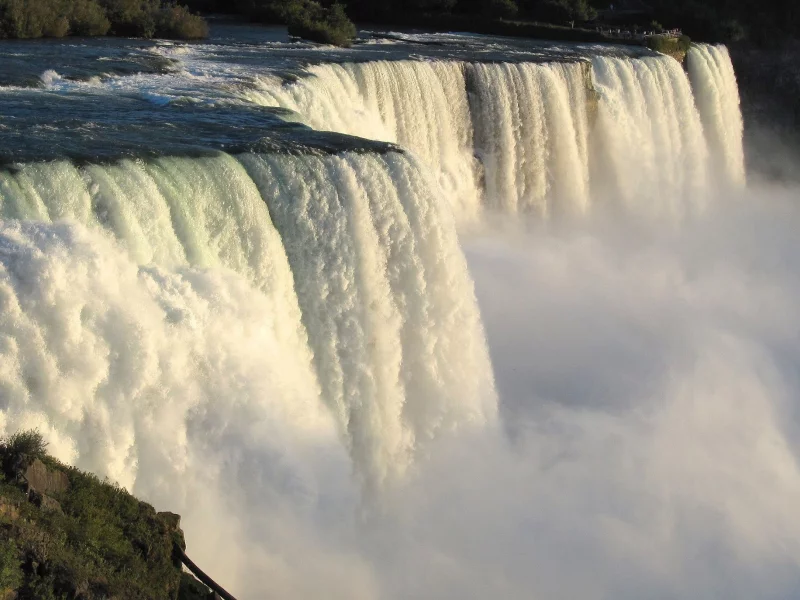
67	534
59	18
674	46
307	19
29	444
319	24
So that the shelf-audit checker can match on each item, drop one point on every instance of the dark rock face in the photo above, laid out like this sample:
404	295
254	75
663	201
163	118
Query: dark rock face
769	85
44	502
45	481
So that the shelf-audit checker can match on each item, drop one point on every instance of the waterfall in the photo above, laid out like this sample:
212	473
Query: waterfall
420	105
352	263
551	138
717	93
264	341
650	145
353	257
531	128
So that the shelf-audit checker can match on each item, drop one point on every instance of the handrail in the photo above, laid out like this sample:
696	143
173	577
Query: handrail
198	572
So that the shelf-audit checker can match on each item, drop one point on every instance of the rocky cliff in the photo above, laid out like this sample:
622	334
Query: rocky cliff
67	534
769	85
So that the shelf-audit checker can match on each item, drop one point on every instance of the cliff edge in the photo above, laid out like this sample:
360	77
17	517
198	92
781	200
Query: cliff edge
65	534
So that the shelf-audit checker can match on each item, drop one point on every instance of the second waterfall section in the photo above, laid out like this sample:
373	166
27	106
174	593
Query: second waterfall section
544	138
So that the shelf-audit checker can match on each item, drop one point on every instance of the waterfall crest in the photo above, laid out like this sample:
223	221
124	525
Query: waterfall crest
549	138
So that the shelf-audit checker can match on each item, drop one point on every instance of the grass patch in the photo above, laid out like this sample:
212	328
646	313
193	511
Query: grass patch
669	44
102	542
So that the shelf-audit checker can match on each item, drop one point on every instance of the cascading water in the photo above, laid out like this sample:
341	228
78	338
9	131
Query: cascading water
420	105
717	95
262	323
650	144
356	254
386	301
550	137
531	132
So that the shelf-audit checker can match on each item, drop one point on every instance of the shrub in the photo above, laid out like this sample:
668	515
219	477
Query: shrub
10	571
33	18
311	21
500	9
19	449
57	18
88	18
178	22
28	443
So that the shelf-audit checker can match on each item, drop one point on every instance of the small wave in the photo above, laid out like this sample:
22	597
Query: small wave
50	78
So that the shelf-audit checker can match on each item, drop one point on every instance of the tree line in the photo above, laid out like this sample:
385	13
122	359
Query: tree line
134	18
331	21
761	21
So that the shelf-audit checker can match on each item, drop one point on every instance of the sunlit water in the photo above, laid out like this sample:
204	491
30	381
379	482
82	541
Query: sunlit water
527	335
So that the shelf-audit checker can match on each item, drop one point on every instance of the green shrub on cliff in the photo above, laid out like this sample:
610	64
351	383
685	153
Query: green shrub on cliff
669	44
67	534
28	443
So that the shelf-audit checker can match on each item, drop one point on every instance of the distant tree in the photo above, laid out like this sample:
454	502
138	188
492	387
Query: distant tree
310	20
500	9
88	18
132	17
559	11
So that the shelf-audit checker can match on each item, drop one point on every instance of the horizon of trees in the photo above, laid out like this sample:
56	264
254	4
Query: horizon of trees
330	20
22	19
707	20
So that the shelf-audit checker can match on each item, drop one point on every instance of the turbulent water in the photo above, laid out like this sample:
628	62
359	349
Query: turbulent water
359	243
275	330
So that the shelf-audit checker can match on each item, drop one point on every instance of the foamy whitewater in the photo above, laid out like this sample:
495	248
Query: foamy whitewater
545	347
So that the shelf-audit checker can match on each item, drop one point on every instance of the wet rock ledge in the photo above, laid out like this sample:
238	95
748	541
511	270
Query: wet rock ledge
67	534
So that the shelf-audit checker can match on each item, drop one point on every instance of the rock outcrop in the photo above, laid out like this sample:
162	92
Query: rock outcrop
67	534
